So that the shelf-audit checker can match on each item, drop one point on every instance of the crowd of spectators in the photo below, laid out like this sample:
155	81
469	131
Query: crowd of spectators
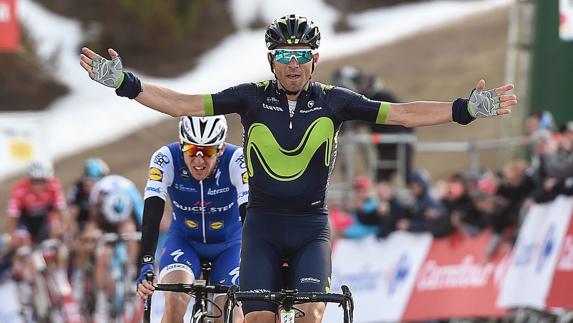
466	203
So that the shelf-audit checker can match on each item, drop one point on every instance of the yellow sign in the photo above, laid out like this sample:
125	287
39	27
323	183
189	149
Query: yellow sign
216	225
155	174
21	150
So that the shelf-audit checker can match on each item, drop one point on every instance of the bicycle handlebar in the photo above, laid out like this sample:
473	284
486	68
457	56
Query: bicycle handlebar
193	288
198	287
298	298
293	297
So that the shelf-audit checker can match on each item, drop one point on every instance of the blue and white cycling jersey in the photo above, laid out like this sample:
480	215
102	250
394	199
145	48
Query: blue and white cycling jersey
119	184
205	211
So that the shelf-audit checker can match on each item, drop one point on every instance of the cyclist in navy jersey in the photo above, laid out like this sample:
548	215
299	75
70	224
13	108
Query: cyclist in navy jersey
207	183
290	127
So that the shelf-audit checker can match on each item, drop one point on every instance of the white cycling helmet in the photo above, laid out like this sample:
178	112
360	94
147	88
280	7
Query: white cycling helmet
40	170
116	206
203	131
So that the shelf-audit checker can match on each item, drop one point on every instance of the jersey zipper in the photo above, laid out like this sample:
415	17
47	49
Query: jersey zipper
203	213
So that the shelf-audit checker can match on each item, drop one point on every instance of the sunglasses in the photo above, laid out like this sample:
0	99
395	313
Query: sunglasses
206	151
301	56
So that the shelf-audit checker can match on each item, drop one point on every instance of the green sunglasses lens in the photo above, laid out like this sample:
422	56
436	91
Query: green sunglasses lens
301	56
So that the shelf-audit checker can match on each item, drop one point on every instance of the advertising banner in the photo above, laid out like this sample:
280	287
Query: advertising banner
456	280
380	274
561	287
536	254
22	139
566	20
9	27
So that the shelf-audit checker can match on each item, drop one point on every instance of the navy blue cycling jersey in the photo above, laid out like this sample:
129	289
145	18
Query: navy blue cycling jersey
290	158
205	211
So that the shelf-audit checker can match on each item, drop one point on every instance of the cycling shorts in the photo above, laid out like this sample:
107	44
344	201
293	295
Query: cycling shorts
271	238
180	253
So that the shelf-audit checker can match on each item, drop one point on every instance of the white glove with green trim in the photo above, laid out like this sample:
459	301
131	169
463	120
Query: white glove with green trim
108	72
483	104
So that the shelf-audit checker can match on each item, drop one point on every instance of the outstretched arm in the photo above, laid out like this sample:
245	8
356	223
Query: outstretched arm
110	73
481	104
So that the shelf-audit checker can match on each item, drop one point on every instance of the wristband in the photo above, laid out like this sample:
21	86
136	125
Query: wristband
460	113
147	259
130	87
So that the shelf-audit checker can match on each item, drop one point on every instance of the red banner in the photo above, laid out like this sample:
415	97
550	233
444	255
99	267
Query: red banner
560	292
9	27
455	280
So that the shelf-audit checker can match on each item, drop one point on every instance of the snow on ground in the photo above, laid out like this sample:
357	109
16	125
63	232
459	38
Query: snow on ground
92	115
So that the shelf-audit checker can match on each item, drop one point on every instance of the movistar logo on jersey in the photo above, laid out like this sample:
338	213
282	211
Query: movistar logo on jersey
288	165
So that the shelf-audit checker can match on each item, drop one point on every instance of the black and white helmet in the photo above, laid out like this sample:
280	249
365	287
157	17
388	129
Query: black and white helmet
40	169
203	131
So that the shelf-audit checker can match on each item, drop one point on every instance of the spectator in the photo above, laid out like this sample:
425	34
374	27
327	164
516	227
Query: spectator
339	221
516	186
373	88
389	209
426	213
538	127
557	153
363	208
556	165
463	214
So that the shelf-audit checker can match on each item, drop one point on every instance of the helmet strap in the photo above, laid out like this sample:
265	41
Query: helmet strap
271	60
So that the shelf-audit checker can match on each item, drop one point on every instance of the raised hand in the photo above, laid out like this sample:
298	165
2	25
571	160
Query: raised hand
493	102
102	70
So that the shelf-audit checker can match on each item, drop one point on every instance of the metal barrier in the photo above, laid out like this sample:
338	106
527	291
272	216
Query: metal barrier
350	140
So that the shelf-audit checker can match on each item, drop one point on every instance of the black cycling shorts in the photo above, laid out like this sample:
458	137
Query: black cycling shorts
270	238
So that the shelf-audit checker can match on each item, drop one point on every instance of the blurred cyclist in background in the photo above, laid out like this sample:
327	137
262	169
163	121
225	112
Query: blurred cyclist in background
116	206
78	195
207	183
37	204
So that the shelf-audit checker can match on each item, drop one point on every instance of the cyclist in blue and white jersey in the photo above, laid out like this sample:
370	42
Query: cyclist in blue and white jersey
290	128
206	180
116	206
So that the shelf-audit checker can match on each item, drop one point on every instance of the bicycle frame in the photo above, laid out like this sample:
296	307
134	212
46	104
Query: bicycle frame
118	267
287	299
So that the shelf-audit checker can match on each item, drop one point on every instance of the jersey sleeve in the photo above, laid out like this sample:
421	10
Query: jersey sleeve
353	106
231	100
239	176
15	201
57	194
160	175
135	197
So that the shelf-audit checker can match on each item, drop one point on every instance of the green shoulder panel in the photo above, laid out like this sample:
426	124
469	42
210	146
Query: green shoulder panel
264	84
326	87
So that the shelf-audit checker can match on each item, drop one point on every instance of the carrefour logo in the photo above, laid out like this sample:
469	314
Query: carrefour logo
537	253
398	274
